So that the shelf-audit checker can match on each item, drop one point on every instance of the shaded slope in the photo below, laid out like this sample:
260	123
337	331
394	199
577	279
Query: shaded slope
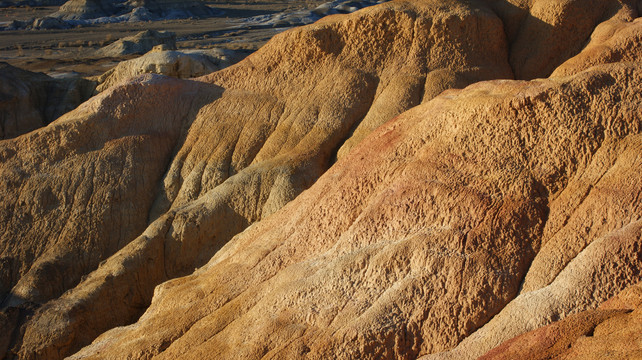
613	41
31	100
543	34
85	187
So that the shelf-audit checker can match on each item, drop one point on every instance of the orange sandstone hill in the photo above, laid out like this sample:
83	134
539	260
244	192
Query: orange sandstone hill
326	198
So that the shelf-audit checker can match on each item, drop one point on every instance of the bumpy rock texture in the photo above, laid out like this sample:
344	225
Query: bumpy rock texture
421	234
615	40
85	176
180	64
548	293
417	252
31	100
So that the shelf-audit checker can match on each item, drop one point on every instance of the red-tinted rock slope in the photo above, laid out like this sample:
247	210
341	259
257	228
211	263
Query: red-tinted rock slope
612	331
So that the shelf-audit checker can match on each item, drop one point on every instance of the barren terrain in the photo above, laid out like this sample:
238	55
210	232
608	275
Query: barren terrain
420	179
53	51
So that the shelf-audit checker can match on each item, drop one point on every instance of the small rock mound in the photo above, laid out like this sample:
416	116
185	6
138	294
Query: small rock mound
180	64
88	9
343	6
140	43
301	17
48	23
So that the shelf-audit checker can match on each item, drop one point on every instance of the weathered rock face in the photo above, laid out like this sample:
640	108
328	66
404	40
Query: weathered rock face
606	266
140	43
180	64
543	33
284	113
271	134
613	41
417	236
90	179
549	292
30	100
434	221
565	234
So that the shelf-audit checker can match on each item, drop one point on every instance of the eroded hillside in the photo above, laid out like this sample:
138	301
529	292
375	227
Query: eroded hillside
511	200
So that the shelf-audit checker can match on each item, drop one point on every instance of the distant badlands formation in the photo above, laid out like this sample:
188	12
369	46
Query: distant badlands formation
74	13
332	196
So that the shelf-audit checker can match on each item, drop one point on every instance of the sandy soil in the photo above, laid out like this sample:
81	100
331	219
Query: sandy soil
55	51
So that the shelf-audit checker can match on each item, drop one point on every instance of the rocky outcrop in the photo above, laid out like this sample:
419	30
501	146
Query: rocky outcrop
540	35
612	41
549	292
422	231
30	100
180	64
89	180
48	23
140	43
